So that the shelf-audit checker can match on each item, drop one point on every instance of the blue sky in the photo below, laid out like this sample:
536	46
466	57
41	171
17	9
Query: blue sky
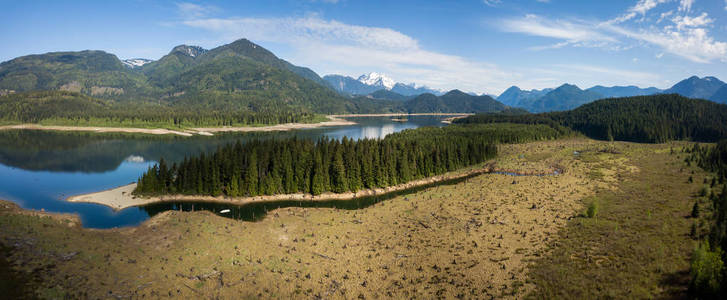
481	46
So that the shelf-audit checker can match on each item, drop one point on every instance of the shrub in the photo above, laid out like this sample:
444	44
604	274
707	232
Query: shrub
592	209
706	271
704	191
693	232
695	210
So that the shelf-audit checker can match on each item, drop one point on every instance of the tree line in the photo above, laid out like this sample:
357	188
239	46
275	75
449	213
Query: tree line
285	166
651	119
709	275
69	108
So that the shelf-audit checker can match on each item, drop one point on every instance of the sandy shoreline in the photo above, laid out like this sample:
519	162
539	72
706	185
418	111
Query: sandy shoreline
98	129
399	115
120	198
332	121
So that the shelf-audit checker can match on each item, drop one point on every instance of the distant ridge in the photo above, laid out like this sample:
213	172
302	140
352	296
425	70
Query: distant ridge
570	96
695	87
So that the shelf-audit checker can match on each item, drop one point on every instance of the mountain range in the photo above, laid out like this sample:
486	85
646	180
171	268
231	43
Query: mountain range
369	83
237	76
243	76
570	96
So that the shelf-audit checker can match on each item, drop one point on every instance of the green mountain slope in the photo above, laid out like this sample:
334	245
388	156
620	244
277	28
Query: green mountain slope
453	101
240	76
655	118
94	73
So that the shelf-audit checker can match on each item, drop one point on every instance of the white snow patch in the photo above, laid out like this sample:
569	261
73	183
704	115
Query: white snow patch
377	79
136	62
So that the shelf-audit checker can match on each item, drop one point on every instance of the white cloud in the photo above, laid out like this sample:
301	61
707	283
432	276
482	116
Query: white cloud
572	32
328	44
685	5
192	11
685	36
694	44
641	8
683	22
665	15
492	2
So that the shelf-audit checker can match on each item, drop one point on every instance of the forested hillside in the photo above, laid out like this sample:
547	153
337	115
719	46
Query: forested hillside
453	101
709	276
655	119
94	73
293	165
76	109
238	77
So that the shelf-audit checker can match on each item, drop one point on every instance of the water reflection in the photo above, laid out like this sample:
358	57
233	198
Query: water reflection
39	169
97	153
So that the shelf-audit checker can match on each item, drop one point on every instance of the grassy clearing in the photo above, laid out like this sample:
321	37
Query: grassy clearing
633	241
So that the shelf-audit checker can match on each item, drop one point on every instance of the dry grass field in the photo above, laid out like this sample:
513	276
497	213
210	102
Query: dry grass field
490	236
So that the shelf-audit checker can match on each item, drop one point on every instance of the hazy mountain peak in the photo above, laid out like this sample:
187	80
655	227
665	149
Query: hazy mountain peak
456	92
513	88
568	86
695	87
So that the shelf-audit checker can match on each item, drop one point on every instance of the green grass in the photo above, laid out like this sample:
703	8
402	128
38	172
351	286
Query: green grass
634	241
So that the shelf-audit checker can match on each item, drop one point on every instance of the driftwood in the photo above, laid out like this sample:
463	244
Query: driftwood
324	256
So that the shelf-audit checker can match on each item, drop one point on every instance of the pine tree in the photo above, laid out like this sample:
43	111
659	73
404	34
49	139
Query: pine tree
233	188
317	178
251	175
338	172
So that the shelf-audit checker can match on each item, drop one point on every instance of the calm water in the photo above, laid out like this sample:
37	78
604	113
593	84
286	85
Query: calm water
38	169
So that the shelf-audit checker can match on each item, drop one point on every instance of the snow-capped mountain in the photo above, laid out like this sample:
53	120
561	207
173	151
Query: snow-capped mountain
136	62
372	82
376	79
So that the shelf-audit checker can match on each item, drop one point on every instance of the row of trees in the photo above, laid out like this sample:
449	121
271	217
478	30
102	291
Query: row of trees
709	275
295	165
68	108
652	119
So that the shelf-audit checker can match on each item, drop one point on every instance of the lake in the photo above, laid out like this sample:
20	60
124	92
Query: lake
39	169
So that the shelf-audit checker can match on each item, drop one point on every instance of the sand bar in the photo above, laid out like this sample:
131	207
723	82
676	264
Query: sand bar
121	197
332	121
96	129
399	115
